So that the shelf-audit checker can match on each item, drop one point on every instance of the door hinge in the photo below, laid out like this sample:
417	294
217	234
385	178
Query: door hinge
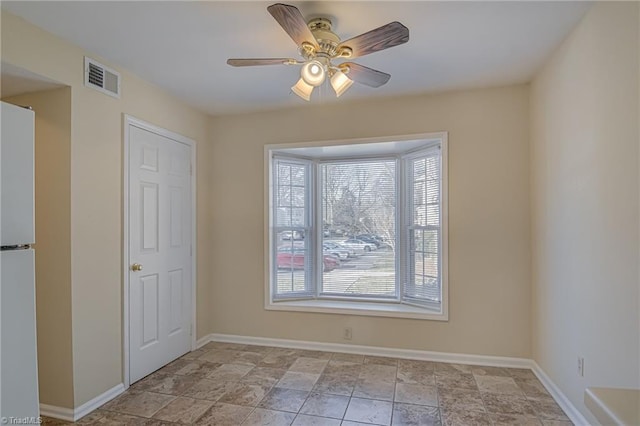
191	169
191	330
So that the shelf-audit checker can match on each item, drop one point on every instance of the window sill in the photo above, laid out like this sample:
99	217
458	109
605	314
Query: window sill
373	309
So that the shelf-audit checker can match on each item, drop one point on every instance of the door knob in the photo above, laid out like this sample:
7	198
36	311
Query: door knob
136	267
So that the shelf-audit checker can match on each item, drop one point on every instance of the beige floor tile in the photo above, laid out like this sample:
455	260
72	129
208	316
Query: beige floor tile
282	399
258	349
374	389
369	411
507	404
173	385
381	360
315	354
465	418
183	410
415	415
306	420
460	400
194	354
456	381
297	380
144	404
91	418
210	390
226	384
221	356
309	365
514	420
417	365
547	408
416	394
442	368
378	372
521	373
119	419
480	370
414	377
325	405
229	372
224	345
355	358
264	376
245	394
335	385
197	368
50	421
532	388
342	369
274	360
262	417
224	415
248	358
497	384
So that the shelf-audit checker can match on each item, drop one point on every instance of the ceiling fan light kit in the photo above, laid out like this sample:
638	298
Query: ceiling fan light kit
319	45
340	82
302	89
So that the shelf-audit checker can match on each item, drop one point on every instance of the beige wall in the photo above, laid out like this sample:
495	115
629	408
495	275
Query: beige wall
489	286
53	242
584	164
96	196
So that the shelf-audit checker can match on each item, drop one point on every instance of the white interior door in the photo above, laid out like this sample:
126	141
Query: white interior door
160	263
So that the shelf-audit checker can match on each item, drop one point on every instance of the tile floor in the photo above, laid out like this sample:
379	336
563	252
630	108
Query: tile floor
231	384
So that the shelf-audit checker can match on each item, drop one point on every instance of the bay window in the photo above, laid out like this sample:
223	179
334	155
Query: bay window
358	228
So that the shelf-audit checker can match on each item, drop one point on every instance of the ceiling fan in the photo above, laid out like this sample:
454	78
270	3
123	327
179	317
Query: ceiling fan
319	46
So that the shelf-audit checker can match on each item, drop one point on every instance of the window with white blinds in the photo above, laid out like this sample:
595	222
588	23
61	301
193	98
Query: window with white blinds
292	256
424	225
358	228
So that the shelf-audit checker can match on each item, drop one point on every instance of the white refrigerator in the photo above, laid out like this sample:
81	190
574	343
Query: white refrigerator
18	356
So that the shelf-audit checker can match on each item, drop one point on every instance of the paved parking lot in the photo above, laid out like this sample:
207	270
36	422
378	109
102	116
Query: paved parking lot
370	273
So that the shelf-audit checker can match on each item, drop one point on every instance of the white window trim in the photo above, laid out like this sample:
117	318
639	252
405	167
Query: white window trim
349	307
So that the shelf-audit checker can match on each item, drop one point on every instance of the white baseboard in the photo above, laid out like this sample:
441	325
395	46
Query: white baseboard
496	361
60	413
71	415
570	410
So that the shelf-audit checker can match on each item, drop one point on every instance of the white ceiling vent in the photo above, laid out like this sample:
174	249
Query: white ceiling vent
101	78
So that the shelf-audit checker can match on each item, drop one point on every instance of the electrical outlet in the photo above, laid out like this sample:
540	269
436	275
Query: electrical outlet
581	366
346	333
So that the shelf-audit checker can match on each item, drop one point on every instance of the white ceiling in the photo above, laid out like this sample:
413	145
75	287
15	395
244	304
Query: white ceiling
183	46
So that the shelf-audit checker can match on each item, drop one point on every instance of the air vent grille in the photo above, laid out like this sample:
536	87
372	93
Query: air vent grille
101	78
96	75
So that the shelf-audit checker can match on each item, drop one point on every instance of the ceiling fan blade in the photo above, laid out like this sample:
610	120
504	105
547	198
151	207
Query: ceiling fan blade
291	20
365	75
250	62
384	37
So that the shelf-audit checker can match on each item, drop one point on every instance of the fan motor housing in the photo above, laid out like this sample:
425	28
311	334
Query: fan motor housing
327	39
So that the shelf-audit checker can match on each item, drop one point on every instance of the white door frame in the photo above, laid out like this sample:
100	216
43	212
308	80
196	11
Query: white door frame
129	121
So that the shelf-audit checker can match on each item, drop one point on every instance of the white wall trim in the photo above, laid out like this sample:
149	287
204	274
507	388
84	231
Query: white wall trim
570	410
71	415
129	121
496	361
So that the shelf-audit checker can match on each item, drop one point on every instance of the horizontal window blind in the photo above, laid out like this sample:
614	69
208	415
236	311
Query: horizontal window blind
424	228
292	257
